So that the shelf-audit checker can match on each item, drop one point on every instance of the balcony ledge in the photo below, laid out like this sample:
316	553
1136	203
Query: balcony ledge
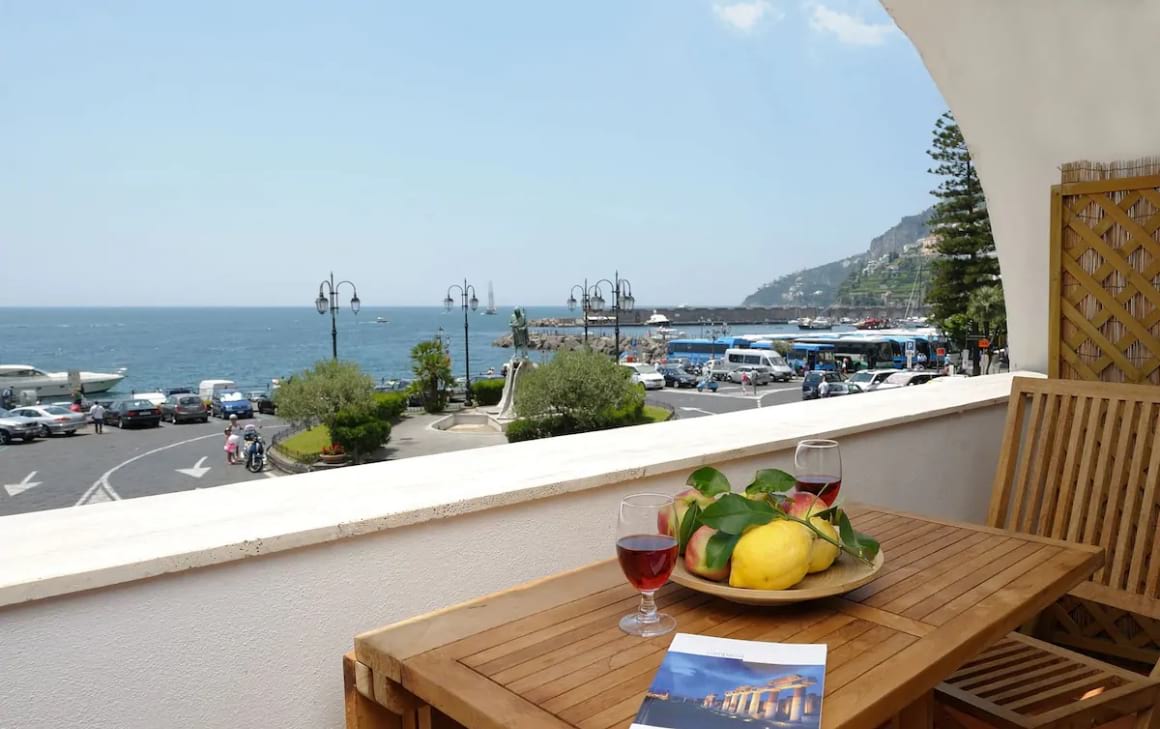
65	551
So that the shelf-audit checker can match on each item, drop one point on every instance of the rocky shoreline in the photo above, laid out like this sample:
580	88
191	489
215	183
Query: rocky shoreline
646	350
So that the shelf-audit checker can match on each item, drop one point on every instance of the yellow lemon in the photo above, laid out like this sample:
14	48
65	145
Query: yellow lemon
774	556
823	554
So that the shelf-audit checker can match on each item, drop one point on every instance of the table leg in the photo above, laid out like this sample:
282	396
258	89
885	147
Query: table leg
361	712
918	715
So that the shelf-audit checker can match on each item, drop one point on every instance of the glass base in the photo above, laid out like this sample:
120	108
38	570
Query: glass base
633	625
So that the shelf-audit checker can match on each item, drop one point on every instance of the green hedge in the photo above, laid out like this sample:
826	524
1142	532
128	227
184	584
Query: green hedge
390	406
359	431
487	392
549	427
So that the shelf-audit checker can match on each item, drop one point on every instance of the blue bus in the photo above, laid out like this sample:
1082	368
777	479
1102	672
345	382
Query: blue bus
819	354
700	351
860	352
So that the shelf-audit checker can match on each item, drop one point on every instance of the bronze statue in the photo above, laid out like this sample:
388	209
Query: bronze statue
520	340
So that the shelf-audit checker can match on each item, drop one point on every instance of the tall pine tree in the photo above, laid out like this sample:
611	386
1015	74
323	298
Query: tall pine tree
966	248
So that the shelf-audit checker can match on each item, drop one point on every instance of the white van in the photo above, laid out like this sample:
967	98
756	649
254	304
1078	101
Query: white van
735	358
646	375
206	389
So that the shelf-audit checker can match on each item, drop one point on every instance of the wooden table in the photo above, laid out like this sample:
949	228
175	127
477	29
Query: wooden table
549	655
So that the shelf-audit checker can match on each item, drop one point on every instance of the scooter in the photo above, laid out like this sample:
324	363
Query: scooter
707	383
255	452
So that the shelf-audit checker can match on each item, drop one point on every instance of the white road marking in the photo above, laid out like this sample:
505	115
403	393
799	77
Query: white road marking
269	474
197	471
18	488
102	484
696	410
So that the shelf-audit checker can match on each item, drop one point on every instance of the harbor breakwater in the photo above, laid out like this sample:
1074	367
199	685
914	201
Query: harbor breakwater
645	349
688	316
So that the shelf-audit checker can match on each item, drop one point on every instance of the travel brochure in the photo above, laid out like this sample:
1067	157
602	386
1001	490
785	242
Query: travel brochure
719	683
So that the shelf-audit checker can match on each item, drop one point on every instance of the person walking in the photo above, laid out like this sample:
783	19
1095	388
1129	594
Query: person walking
97	413
824	387
231	446
6	398
744	382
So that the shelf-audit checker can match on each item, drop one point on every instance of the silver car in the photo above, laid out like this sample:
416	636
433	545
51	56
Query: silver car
15	426
53	419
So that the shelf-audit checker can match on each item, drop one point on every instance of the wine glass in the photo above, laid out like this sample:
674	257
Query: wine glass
817	468
646	545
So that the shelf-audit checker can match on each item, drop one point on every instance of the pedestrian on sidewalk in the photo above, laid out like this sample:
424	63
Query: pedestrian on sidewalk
231	446
97	413
744	382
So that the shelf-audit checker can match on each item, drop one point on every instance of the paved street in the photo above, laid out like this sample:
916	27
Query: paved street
119	464
728	399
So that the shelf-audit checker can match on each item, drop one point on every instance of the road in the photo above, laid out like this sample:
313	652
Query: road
119	464
728	399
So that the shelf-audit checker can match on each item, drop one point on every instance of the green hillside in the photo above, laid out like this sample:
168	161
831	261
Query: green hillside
816	286
891	283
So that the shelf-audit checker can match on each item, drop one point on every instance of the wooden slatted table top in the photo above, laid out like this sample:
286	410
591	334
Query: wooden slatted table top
549	655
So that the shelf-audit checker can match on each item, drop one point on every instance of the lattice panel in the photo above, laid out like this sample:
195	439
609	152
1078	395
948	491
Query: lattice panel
1105	276
1124	637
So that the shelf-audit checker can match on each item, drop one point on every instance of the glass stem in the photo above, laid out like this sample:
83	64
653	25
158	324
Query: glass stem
648	607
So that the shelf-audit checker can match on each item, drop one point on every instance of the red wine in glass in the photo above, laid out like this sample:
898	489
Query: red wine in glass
647	559
824	487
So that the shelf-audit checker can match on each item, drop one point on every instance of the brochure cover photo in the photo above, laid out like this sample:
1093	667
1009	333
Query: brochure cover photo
712	683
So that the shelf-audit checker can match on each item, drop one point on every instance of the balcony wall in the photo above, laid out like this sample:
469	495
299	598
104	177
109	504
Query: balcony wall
231	607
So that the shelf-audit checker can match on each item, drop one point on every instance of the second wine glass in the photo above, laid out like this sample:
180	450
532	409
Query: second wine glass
817	468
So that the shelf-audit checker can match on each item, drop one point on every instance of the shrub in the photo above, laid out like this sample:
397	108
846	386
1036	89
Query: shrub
487	392
359	431
432	368
582	388
389	406
525	429
317	394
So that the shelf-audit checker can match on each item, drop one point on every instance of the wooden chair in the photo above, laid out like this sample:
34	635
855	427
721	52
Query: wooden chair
1080	461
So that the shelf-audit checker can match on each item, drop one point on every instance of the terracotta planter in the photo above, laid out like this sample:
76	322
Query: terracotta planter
333	459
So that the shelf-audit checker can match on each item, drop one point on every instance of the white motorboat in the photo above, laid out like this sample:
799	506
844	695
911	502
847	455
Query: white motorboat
657	320
23	378
381	320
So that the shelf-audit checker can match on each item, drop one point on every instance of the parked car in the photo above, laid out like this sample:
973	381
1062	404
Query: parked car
262	402
837	389
676	377
178	391
870	379
646	375
813	378
207	389
124	413
906	378
157	398
184	408
17	427
53	419
230	402
758	374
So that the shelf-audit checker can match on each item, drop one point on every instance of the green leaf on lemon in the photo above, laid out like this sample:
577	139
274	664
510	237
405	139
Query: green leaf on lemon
719	549
689	524
709	481
770	480
732	513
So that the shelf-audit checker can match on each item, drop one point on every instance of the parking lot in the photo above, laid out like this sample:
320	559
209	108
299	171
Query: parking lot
689	403
120	464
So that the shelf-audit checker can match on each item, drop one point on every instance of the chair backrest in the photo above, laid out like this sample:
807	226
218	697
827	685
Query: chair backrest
1080	462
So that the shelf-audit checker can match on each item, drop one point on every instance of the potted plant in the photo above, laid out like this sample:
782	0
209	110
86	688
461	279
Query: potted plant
333	454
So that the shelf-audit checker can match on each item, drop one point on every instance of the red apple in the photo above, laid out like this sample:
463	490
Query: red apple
696	556
802	505
681	504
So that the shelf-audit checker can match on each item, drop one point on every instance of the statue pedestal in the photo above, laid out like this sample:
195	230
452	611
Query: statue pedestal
507	401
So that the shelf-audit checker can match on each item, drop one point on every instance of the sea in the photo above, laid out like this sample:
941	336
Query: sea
170	347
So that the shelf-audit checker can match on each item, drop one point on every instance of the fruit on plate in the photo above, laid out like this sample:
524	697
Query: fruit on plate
823	553
802	505
681	504
697	559
773	556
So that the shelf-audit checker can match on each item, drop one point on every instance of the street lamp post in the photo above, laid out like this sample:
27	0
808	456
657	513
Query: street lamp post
330	301
585	304
622	300
467	299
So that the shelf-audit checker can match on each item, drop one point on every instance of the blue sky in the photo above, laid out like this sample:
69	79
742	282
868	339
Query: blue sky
232	153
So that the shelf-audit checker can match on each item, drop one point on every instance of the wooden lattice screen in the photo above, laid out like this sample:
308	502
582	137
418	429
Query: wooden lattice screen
1105	273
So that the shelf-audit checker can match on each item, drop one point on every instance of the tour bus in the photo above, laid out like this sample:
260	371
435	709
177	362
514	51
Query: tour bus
811	356
862	353
735	358
699	351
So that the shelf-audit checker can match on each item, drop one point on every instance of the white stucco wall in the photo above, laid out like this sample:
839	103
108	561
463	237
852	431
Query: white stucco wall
256	640
1035	84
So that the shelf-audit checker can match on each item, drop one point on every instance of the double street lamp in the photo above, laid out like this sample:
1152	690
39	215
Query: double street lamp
328	299
467	299
622	300
585	304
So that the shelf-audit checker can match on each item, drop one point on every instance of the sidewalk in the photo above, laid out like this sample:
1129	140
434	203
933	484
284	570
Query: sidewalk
411	437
